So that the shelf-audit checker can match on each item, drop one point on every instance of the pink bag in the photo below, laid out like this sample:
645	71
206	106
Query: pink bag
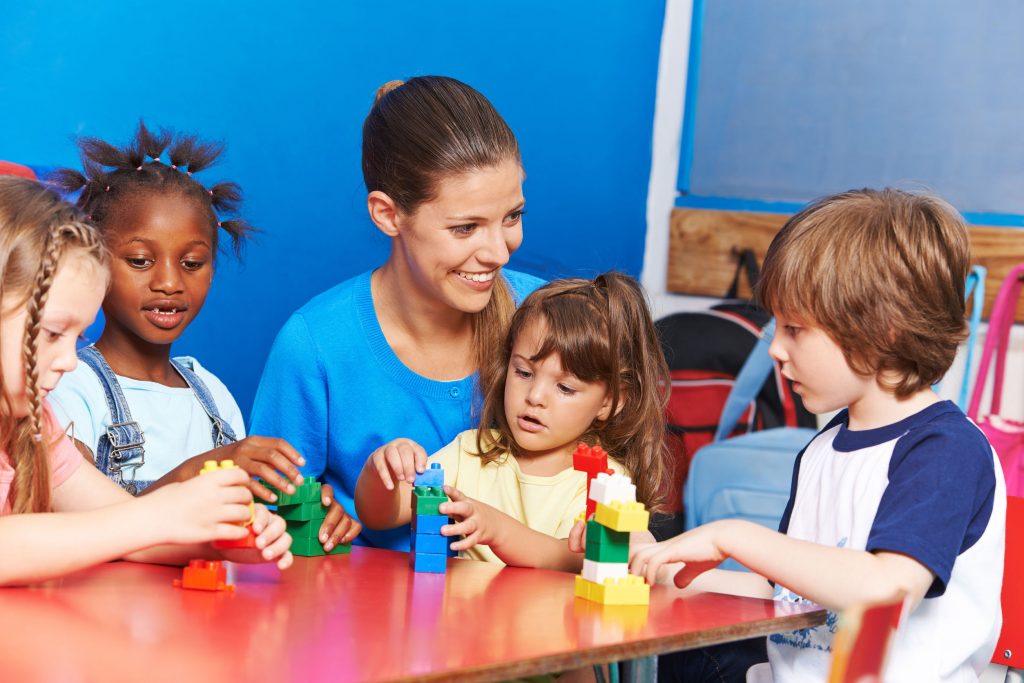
1006	436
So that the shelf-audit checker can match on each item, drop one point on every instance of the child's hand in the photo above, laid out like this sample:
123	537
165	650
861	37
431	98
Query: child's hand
202	509
400	459
272	541
697	549
477	522
578	537
338	526
266	458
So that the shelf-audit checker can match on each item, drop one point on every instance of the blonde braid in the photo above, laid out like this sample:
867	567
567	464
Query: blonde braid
33	487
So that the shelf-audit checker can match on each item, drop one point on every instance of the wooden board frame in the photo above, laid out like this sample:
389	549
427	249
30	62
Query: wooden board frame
704	244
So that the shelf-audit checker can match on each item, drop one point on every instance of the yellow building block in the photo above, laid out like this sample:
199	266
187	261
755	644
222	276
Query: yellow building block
631	590
623	516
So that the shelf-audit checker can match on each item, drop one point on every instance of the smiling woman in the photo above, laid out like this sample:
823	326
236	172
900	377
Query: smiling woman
394	352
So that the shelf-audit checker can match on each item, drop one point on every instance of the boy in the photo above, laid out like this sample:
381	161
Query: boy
900	491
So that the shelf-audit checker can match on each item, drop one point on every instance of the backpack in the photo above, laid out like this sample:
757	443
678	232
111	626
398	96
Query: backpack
749	476
705	351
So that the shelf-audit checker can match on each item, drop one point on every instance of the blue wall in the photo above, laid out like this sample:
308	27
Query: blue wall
287	89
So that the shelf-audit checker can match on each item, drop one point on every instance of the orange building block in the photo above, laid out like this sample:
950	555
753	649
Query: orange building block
204	575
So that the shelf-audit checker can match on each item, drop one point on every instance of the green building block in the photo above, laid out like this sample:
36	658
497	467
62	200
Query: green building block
606	545
309	492
310	547
302	512
305	529
426	499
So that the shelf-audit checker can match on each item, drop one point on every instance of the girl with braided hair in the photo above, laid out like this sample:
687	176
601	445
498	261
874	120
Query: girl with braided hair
54	271
144	417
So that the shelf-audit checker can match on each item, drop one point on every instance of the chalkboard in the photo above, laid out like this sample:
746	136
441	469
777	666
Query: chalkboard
793	99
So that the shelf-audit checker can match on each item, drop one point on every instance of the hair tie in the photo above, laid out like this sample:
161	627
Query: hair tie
37	437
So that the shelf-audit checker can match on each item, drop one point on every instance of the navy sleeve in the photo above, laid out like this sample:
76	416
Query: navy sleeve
939	497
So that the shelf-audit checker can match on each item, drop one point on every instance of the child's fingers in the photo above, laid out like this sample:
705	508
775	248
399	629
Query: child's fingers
465	543
330	536
578	537
460	509
224	531
454	493
326	494
463	528
270	475
285	560
261	492
393	457
234	476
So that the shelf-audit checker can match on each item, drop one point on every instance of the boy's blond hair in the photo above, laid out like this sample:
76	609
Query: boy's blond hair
882	272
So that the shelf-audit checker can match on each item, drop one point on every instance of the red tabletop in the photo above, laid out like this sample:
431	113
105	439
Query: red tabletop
359	617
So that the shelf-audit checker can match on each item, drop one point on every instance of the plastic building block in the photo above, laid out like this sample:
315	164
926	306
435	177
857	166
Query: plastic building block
428	524
303	512
426	562
599	571
310	547
248	541
623	516
305	529
432	544
308	492
427	499
607	488
432	477
628	591
204	575
606	545
212	466
591	460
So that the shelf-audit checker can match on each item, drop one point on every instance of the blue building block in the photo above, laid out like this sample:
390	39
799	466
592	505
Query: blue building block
425	562
428	524
432	477
431	544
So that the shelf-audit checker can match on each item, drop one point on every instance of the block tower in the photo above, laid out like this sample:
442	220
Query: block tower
429	549
611	498
304	514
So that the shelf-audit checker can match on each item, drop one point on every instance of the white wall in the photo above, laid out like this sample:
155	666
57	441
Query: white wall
668	124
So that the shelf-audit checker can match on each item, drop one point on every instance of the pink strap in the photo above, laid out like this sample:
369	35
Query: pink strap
997	341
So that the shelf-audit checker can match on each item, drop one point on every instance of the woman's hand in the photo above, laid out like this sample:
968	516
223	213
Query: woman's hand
398	460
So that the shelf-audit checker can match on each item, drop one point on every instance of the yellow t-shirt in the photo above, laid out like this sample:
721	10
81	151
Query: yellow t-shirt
549	505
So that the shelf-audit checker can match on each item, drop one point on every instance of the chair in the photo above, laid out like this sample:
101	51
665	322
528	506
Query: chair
1010	647
861	645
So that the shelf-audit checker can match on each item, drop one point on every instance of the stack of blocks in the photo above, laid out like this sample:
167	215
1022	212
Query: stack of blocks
611	498
429	549
304	514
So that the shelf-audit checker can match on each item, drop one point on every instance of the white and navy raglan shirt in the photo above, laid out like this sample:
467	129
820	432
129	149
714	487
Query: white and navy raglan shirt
929	487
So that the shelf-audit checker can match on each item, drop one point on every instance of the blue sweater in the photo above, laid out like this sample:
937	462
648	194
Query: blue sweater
335	390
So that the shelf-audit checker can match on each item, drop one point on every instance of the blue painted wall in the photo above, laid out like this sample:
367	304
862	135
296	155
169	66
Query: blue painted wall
287	88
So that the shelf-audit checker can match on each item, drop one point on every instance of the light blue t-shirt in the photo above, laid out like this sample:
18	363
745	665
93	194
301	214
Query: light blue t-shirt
335	390
174	423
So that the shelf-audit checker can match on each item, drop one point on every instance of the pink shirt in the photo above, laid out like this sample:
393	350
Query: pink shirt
64	460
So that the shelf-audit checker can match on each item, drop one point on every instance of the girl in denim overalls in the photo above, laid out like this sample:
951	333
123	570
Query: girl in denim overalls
54	271
145	418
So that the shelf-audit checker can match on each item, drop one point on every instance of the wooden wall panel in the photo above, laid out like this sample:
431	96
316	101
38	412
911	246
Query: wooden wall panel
703	247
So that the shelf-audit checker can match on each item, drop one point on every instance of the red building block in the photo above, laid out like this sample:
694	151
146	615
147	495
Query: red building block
592	460
249	541
204	575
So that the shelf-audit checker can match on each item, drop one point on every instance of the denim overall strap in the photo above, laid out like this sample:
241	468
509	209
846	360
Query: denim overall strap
223	434
121	447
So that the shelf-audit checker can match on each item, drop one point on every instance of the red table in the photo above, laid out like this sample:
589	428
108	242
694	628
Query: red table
359	617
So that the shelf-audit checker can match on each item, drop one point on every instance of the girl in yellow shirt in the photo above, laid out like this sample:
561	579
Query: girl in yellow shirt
581	362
